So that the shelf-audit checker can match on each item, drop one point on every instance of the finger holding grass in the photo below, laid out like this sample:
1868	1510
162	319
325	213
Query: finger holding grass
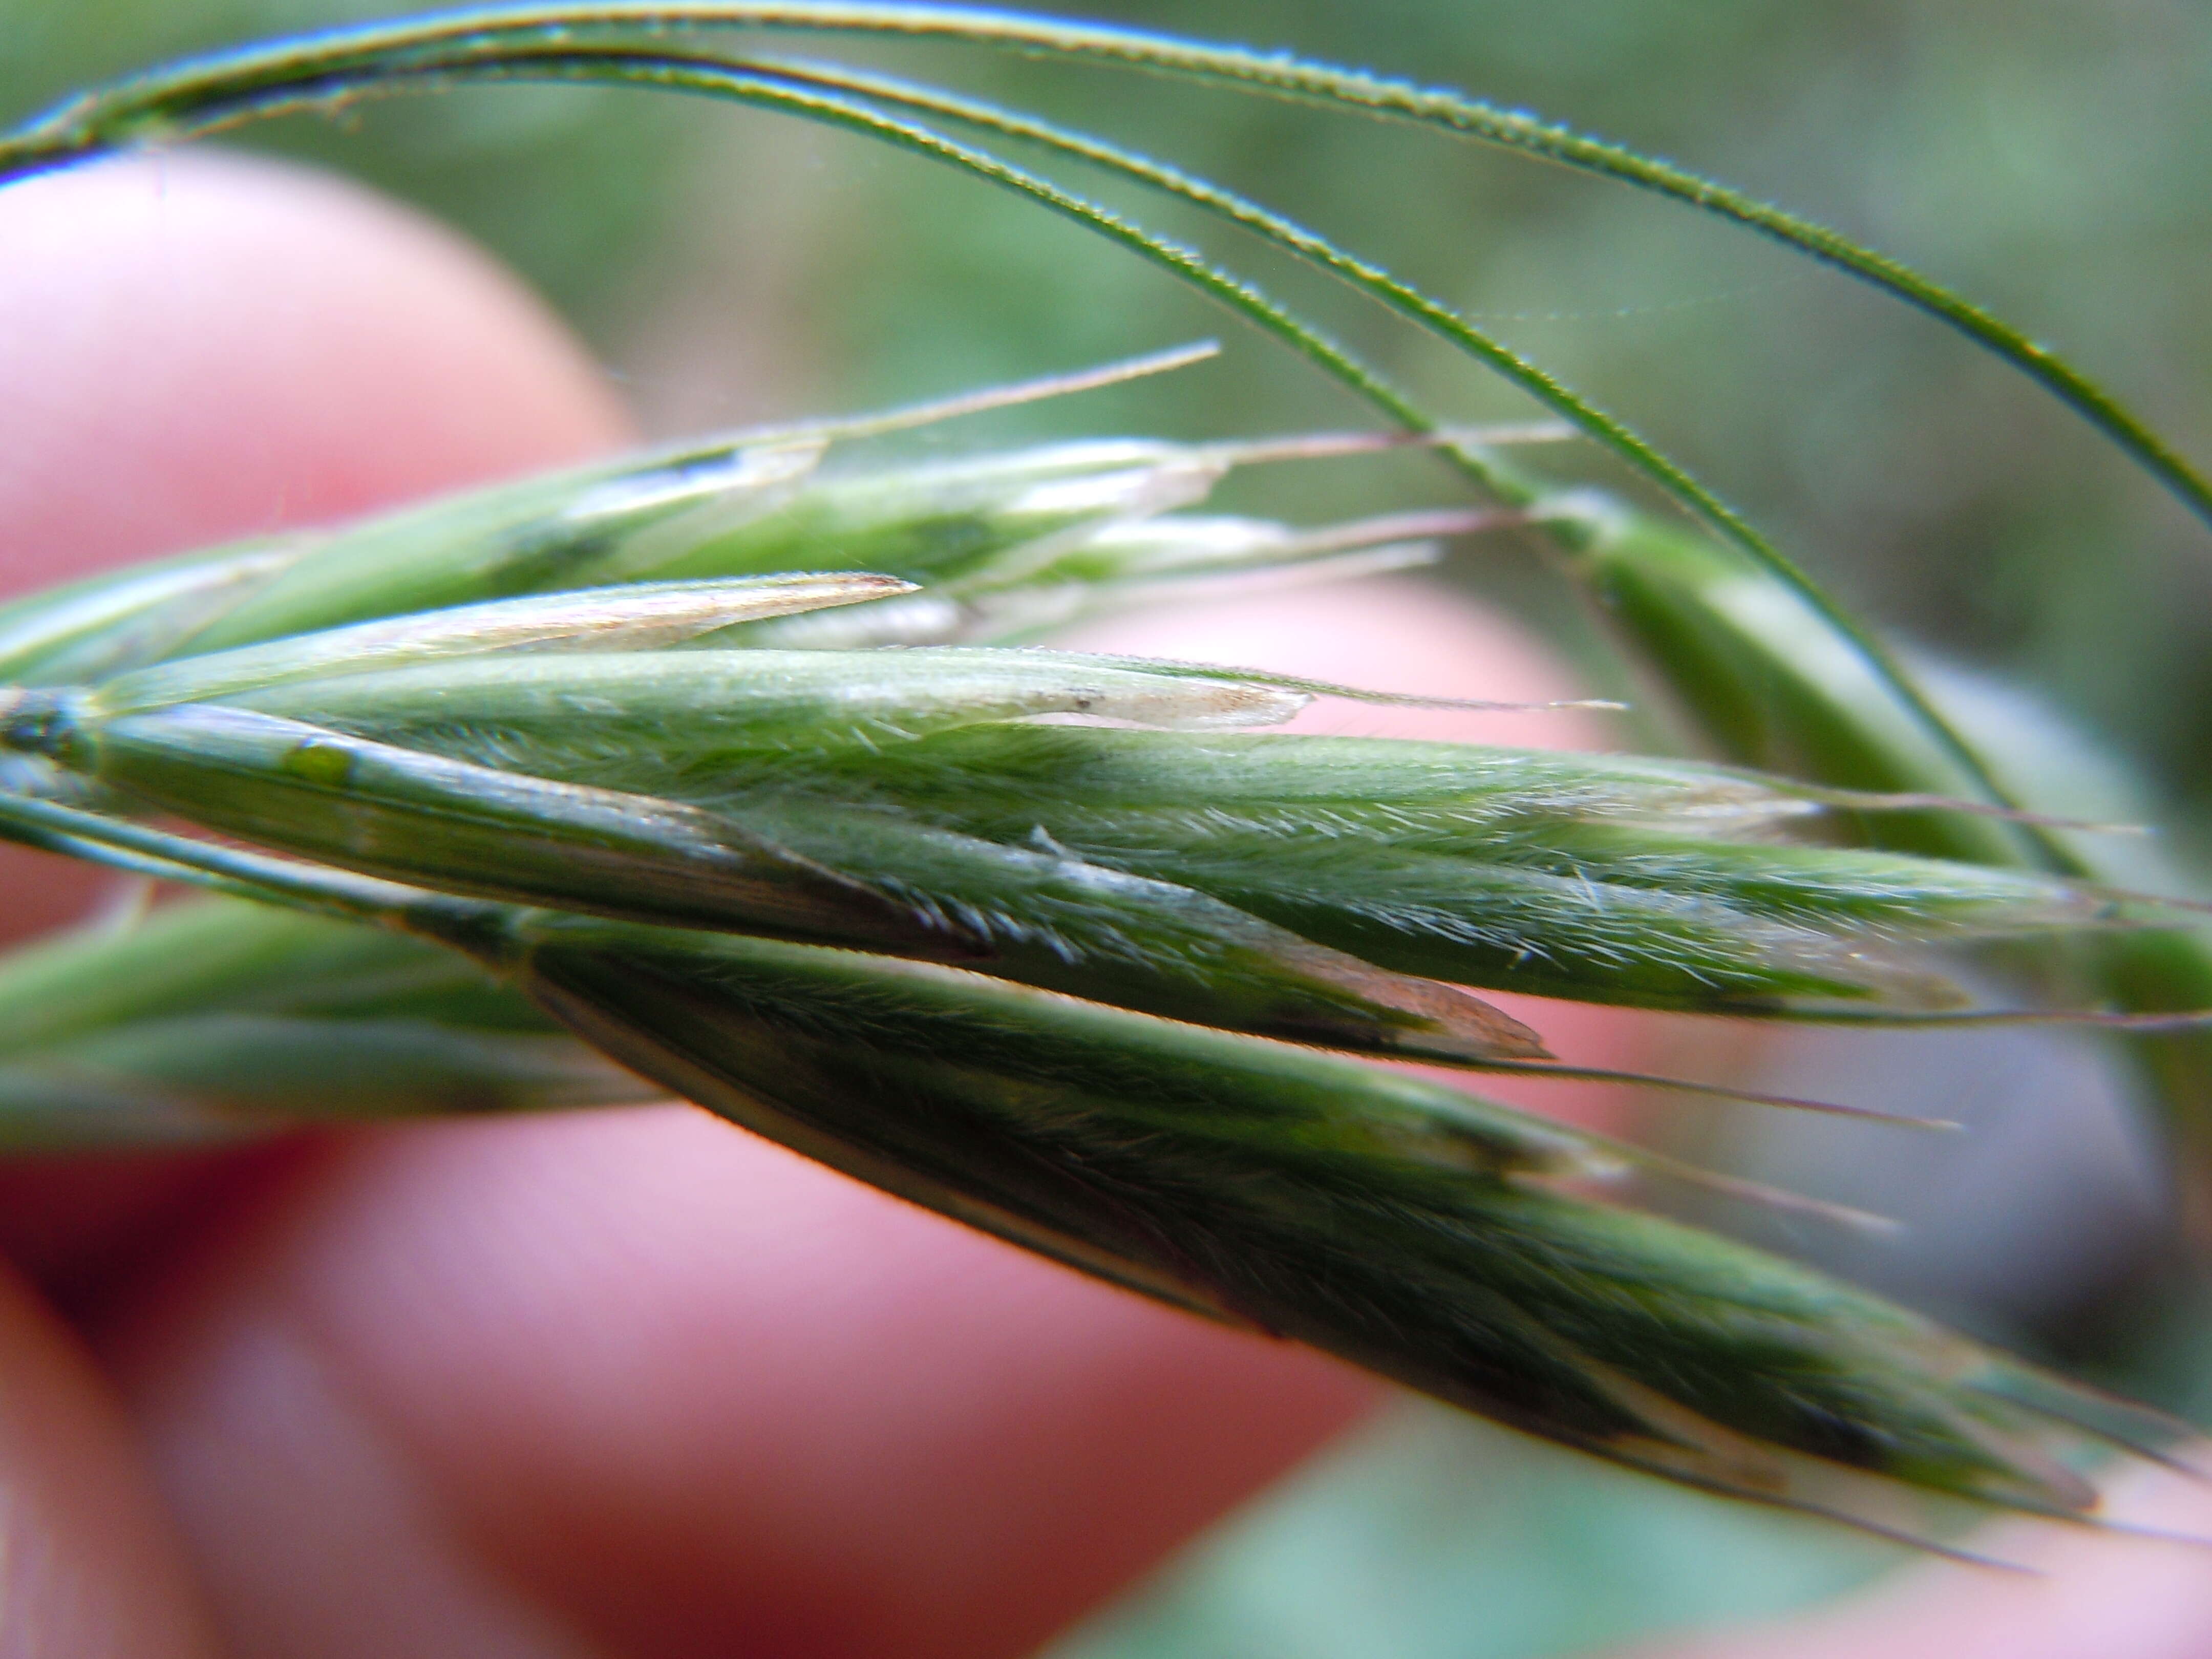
722	797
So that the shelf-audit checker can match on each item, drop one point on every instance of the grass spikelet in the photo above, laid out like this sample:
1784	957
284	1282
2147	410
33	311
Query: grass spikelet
1603	878
111	623
636	617
1404	1226
576	529
399	813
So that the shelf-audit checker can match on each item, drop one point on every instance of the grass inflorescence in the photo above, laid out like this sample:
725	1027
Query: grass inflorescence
718	759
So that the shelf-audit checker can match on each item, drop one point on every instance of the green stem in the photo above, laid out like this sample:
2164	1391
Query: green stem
149	104
139	850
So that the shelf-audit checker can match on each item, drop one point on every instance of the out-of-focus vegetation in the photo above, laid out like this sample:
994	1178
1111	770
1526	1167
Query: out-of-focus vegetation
2051	160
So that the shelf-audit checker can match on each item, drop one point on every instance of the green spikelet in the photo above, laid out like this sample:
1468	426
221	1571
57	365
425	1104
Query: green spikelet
1412	1229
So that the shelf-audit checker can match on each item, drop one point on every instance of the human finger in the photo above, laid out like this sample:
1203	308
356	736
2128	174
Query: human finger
87	1563
204	347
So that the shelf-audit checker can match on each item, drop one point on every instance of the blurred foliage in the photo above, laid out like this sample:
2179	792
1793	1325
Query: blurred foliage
1432	1534
2050	159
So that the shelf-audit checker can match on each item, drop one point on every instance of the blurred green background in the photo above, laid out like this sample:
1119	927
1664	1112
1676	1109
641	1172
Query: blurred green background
2050	159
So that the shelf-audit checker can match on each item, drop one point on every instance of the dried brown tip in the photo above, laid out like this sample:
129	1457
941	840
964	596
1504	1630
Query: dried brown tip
1719	1092
1469	1023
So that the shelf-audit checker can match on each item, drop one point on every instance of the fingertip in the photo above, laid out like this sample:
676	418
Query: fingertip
87	1564
203	346
687	1392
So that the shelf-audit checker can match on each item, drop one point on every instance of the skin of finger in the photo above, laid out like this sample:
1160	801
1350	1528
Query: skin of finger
1054	1436
169	386
686	1394
88	1566
2084	1596
193	353
202	347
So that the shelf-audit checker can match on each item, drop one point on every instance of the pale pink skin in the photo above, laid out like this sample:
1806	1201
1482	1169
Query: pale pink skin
618	1382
